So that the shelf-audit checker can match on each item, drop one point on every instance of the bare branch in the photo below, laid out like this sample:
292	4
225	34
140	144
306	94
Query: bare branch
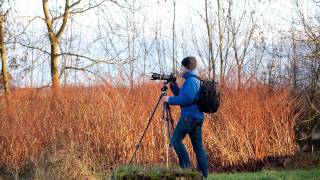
74	4
79	10
65	18
33	47
84	69
47	16
110	61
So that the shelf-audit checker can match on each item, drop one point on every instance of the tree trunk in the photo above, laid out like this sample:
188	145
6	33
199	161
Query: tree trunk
294	64
174	69
220	45
54	64
239	77
3	60
210	46
54	38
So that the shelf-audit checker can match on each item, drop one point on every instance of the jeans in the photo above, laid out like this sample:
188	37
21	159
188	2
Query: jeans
193	127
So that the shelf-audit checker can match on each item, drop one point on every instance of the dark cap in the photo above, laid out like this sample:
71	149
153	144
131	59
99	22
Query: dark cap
189	62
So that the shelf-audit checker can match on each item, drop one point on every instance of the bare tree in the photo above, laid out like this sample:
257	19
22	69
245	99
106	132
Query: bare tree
4	58
308	42
55	31
216	20
4	71
220	43
241	42
174	61
54	37
211	60
294	64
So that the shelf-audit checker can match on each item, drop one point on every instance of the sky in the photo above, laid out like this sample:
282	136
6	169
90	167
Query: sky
274	15
275	11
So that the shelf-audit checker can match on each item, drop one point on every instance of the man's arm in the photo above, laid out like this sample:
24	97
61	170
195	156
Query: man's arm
186	97
174	88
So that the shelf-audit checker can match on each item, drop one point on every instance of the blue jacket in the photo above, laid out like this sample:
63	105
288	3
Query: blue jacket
185	96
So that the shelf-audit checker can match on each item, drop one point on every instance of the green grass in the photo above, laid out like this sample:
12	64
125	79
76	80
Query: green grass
155	173
292	174
313	173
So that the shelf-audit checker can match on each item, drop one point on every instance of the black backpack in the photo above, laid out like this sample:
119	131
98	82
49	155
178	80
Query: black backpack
208	99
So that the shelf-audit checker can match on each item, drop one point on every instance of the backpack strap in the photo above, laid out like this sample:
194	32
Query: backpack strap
197	95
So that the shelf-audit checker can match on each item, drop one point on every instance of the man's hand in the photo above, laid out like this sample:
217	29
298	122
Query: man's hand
166	98
173	83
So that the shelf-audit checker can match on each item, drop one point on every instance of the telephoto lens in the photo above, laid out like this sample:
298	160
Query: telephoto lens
169	78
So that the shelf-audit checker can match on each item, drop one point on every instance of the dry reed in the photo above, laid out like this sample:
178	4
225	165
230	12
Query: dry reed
100	126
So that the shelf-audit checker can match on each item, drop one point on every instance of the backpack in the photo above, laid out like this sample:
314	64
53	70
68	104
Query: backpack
208	99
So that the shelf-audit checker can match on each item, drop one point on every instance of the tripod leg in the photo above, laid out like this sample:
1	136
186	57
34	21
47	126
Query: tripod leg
163	112
145	130
170	117
169	121
166	118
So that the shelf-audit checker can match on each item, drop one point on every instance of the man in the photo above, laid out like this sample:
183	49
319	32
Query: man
191	118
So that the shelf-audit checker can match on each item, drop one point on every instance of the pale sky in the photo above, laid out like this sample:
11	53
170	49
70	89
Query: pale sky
272	13
274	10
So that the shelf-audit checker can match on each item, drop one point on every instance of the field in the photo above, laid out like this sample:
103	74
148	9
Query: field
85	131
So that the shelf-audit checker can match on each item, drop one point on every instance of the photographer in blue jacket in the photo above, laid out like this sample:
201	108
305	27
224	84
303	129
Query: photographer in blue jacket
191	118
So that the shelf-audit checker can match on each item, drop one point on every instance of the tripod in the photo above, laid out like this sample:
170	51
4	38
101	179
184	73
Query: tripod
165	116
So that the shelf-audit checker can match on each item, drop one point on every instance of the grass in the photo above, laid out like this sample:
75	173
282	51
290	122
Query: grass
298	174
157	172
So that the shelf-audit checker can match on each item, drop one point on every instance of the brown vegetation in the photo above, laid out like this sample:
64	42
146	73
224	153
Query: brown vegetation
252	124
100	126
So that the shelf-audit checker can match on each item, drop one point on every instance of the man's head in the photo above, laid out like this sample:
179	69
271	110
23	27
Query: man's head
188	64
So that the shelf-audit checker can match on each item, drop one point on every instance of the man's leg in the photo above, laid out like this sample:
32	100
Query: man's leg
180	131
196	140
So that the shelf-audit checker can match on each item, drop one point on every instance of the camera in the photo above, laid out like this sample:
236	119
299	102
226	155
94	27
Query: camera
168	78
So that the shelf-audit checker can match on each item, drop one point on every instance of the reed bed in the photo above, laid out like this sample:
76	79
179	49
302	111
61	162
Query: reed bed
97	128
